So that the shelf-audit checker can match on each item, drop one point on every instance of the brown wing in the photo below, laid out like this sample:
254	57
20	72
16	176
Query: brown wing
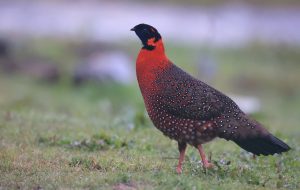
186	97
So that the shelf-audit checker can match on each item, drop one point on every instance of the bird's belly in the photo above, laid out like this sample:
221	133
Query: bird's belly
193	132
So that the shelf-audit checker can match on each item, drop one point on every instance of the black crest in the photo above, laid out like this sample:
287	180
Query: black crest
146	32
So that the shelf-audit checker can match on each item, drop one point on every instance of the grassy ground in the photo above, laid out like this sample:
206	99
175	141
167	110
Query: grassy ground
99	136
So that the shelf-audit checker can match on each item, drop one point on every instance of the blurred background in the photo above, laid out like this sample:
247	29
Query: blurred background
51	50
68	87
76	59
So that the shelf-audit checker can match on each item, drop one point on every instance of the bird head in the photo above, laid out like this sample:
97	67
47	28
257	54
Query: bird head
148	35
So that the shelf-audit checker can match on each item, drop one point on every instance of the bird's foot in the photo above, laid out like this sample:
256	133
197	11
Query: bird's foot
208	165
205	162
179	170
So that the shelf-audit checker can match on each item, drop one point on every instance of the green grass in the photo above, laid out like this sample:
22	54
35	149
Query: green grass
99	136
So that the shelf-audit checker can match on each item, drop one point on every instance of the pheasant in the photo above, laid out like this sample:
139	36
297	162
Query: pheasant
188	110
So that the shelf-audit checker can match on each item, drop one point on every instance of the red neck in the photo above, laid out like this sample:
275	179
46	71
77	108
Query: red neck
150	59
157	53
150	63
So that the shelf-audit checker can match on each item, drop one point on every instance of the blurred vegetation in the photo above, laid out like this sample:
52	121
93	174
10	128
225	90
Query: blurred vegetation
216	2
98	136
220	2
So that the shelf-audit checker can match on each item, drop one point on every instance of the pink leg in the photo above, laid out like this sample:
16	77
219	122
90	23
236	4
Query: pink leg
182	148
205	162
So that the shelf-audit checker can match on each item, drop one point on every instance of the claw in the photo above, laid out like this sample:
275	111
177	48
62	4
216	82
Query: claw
178	170
208	165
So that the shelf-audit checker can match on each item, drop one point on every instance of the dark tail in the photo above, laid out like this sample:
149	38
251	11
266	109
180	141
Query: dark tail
265	145
250	135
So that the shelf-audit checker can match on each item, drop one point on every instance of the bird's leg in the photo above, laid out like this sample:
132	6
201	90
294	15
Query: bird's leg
181	148
206	163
